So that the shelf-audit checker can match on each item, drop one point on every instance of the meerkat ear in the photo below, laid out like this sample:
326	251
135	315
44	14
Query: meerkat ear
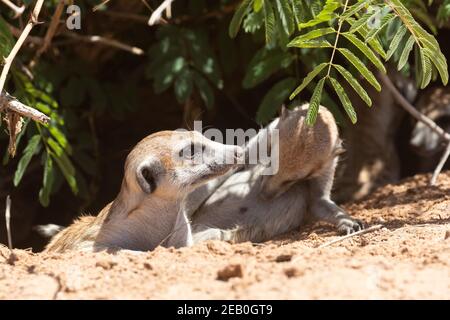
284	112
147	176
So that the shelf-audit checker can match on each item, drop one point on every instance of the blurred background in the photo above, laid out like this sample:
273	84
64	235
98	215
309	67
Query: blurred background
105	93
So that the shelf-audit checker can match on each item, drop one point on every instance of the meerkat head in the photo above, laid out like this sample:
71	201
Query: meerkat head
169	162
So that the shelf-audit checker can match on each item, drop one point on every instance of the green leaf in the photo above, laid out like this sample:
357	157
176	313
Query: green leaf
264	64
354	83
314	103
269	20
235	23
312	35
47	181
60	137
353	10
165	75
253	22
396	41
286	16
64	164
425	40
257	5
360	23
374	30
308	79
204	90
367	74
274	99
344	100
405	53
325	15
183	86
365	49
30	150
6	39
310	44
426	67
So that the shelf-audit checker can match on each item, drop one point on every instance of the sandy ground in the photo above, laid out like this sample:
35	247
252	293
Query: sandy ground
408	258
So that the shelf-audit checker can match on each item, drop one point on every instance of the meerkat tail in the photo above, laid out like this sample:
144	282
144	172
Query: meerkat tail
48	230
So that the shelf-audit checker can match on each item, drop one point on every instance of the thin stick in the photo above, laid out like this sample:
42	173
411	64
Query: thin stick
17	10
9	102
157	14
109	42
440	166
8	221
371	229
100	5
52	28
26	31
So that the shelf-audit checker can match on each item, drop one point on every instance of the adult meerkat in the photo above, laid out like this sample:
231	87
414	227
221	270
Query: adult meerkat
428	145
149	209
367	168
250	206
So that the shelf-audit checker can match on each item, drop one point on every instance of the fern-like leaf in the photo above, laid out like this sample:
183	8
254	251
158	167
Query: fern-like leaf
326	14
269	20
314	103
235	23
365	49
344	100
396	41
367	74
406	52
314	34
354	83
308	79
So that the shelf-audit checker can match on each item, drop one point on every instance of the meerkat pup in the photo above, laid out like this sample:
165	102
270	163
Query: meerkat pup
149	210
250	206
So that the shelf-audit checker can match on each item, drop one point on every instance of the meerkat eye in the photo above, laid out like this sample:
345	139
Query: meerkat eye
187	152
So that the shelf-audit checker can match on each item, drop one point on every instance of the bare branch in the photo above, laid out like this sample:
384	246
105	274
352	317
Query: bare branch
157	14
440	166
51	31
371	229
26	31
106	41
11	103
17	10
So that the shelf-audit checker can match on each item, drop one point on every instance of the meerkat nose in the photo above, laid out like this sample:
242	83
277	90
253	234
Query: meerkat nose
238	153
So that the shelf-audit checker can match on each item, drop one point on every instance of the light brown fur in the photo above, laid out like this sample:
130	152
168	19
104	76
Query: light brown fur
148	210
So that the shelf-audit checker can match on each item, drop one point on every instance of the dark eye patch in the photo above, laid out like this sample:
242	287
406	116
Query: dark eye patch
189	151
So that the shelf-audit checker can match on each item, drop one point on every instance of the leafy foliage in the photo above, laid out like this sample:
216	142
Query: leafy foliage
316	50
362	23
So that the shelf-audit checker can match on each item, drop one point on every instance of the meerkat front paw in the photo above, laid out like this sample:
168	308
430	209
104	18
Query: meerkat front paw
349	225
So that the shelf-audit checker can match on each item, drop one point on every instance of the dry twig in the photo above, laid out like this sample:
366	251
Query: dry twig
11	103
17	10
8	221
26	31
51	31
371	229
157	14
109	42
